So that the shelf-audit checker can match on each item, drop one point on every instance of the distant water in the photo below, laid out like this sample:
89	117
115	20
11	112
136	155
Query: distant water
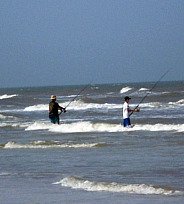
90	157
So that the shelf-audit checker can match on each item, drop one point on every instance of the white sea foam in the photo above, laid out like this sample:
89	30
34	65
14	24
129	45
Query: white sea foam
79	105
76	127
4	124
125	89
47	144
5	173
39	107
13	124
162	105
87	126
94	87
6	116
180	102
70	96
152	105
78	183
75	105
181	129
40	126
143	89
2	116
5	96
160	127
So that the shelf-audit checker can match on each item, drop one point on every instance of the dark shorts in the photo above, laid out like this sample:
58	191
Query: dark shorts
126	122
54	119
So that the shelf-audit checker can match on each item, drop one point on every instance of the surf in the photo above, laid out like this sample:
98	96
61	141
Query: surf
87	126
48	145
79	183
5	96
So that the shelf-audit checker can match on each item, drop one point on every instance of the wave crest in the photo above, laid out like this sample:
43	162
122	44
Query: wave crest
78	183
5	96
48	144
125	89
87	126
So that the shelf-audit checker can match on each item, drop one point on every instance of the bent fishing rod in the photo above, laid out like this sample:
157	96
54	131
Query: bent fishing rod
76	96
149	91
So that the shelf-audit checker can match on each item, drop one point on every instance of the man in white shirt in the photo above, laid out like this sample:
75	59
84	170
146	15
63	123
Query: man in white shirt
126	112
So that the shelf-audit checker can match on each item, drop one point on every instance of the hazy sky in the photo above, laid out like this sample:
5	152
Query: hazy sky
63	42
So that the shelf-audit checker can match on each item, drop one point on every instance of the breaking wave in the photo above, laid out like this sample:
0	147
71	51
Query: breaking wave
13	125
143	89
78	183
80	105
5	96
125	89
48	144
180	102
6	116
75	105
39	107
86	126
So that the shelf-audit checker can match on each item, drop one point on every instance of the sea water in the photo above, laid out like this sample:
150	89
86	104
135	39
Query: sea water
90	157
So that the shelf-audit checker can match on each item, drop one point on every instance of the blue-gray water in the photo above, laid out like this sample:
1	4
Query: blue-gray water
90	157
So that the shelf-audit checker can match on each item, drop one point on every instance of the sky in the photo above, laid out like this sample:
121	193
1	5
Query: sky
73	42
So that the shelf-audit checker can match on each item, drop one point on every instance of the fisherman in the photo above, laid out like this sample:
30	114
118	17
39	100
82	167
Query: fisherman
127	111
53	110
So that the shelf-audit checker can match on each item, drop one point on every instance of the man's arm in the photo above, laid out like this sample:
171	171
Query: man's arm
62	109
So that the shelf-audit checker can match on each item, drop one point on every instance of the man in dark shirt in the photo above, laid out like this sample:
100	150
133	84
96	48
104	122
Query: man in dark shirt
53	110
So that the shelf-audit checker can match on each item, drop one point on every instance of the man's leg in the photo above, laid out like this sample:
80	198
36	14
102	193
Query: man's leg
126	122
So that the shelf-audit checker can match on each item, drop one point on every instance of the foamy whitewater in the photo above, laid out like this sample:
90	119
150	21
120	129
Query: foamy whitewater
90	157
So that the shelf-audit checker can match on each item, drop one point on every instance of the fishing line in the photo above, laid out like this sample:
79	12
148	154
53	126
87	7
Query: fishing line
149	91
76	96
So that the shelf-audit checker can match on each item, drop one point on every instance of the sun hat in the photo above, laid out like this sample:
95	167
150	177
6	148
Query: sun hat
53	97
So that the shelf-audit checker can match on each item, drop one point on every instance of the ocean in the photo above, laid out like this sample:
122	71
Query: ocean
90	158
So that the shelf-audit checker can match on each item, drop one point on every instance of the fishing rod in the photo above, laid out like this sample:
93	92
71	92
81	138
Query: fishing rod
149	91
74	98
77	95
